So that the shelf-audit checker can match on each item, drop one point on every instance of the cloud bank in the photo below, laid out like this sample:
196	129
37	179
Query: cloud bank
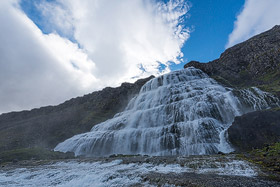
107	42
122	36
257	16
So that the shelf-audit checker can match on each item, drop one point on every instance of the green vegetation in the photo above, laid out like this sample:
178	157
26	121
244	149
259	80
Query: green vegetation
268	158
271	82
222	81
275	109
35	153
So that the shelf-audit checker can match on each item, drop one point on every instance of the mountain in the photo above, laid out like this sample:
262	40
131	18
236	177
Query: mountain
255	62
47	126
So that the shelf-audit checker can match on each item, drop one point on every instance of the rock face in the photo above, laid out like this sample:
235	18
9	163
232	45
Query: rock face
255	62
255	130
47	126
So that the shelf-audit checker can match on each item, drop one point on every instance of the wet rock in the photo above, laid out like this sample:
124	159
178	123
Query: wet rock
158	172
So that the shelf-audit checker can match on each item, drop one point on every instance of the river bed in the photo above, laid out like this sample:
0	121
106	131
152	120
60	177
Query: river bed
215	170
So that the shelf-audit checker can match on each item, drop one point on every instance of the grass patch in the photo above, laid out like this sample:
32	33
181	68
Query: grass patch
268	158
271	82
269	151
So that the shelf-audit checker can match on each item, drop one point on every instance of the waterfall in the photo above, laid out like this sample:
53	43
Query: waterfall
184	112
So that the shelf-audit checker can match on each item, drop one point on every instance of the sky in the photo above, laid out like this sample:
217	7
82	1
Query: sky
54	50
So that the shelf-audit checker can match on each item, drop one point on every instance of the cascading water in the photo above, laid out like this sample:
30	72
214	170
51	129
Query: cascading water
181	113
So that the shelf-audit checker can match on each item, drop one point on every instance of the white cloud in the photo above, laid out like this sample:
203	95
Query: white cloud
37	69
257	16
120	36
114	39
57	17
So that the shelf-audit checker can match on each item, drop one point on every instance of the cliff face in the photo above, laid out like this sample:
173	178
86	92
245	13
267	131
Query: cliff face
47	126
255	62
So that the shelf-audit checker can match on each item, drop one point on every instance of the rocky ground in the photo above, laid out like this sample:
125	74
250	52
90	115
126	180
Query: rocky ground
213	170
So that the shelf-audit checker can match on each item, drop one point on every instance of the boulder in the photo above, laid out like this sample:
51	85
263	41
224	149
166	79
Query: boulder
255	130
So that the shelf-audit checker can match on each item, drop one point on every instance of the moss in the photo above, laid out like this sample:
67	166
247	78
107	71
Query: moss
269	76
244	74
35	153
275	109
222	81
271	82
268	158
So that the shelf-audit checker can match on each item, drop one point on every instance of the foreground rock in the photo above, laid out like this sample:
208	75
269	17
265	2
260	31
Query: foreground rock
213	170
255	62
46	127
255	130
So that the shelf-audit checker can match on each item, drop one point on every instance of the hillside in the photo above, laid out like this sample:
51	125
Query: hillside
47	126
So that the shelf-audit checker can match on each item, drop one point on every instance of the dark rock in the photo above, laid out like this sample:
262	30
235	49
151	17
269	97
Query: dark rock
255	130
47	126
221	153
255	62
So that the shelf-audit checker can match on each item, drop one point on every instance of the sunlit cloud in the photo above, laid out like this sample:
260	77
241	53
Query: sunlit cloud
257	16
92	44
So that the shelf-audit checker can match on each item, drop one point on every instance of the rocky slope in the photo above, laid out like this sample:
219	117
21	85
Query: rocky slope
255	62
47	126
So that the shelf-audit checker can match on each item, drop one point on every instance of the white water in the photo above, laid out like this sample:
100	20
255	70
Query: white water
181	113
115	173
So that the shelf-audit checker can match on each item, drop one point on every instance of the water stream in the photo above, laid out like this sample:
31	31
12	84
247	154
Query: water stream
184	112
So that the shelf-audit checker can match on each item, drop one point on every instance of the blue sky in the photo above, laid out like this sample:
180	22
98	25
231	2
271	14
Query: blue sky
213	21
54	50
210	21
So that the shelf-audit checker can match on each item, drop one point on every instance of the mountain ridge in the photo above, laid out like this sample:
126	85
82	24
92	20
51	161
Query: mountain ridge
254	62
47	126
